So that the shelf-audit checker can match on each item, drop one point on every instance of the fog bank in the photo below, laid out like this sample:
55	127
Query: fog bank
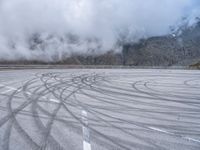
53	29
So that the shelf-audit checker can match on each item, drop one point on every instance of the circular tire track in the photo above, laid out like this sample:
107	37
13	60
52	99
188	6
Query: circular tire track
139	109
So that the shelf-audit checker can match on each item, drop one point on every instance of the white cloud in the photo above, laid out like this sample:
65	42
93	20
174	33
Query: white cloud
102	21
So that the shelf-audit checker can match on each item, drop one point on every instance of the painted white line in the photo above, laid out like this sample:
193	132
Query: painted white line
28	93
9	89
45	98
86	146
191	139
54	100
183	137
159	130
86	132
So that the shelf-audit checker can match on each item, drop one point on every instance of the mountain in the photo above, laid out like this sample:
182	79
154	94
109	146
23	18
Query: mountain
180	49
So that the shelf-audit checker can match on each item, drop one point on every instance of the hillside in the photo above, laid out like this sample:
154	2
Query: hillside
181	49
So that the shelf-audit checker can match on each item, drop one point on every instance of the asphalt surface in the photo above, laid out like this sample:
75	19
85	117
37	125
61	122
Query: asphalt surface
76	109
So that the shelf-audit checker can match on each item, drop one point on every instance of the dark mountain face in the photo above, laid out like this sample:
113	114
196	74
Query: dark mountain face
168	50
182	48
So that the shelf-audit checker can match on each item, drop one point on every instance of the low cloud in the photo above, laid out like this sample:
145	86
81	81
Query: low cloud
52	29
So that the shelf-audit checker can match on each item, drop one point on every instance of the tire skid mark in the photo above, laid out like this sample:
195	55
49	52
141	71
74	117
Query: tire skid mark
6	138
80	121
92	129
15	124
45	131
62	87
96	113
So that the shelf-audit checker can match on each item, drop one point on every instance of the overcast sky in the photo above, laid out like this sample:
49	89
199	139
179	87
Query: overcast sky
105	20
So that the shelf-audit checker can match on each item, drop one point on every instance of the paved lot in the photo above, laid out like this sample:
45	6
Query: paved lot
76	109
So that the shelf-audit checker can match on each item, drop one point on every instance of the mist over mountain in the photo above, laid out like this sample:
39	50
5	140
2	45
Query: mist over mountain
92	31
180	48
58	30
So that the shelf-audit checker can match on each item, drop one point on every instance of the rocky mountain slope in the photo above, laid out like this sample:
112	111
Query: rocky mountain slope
179	48
183	49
